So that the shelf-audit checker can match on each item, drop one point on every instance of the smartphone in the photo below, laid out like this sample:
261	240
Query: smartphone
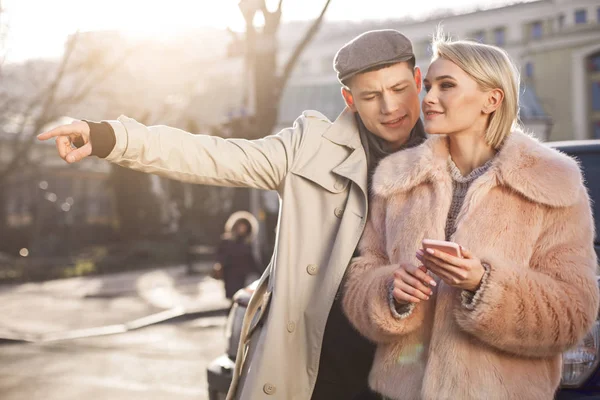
447	247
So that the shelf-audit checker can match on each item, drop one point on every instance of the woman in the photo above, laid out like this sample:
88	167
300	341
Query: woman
234	255
493	324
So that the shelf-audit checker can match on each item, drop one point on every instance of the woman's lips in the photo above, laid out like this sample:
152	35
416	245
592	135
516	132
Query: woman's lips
432	114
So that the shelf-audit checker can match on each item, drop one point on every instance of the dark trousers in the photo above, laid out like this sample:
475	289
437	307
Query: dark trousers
367	394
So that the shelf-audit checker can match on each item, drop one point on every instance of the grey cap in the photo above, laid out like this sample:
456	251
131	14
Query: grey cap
371	49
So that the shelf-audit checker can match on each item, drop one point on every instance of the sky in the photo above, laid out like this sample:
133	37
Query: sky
38	28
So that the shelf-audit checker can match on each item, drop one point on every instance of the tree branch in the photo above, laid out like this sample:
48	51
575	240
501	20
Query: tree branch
291	63
101	77
23	145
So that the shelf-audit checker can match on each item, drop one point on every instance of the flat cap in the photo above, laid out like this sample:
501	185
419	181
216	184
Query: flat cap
371	49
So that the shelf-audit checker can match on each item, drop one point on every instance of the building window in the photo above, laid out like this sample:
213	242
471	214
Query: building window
581	16
597	130
536	30
480	36
428	49
529	70
596	96
594	63
499	36
561	21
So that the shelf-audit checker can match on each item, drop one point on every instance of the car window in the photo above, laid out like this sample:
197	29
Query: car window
590	164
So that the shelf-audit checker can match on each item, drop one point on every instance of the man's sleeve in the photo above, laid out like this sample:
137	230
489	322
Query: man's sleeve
204	159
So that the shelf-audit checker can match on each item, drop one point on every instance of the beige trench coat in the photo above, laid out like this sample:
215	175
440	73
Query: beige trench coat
319	169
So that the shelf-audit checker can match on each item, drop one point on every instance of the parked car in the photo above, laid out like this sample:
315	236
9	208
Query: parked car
581	365
219	371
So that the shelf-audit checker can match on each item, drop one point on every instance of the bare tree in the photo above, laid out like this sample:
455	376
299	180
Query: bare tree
268	82
36	93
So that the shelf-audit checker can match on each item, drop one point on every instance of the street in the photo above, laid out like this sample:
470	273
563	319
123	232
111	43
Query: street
166	361
135	335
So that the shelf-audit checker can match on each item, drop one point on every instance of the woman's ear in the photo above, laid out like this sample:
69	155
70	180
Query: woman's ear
493	101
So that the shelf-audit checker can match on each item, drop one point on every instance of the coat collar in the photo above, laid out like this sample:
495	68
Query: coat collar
344	130
536	171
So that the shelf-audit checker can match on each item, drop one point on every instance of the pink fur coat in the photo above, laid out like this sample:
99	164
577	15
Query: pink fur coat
529	218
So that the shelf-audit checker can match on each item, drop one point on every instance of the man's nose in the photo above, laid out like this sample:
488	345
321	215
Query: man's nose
388	104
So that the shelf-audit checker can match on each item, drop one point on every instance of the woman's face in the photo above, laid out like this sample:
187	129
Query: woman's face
454	103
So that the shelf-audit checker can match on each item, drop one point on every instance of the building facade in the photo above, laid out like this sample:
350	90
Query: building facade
555	43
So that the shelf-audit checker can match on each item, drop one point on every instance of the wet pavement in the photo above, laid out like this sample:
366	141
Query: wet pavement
124	336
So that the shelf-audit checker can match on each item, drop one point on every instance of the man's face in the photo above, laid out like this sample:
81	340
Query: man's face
387	101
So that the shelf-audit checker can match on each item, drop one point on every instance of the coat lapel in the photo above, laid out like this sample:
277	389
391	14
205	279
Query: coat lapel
341	154
344	131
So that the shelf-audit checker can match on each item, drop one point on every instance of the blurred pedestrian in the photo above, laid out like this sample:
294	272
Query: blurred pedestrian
235	257
493	322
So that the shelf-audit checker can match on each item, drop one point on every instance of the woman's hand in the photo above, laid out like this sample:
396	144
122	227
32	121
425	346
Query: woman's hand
412	284
463	273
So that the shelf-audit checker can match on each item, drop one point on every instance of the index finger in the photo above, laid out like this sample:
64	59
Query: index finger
450	259
63	130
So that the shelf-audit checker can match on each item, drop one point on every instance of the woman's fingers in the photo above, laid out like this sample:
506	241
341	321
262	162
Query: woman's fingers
415	282
420	293
421	274
456	266
432	253
466	253
412	283
403	297
450	274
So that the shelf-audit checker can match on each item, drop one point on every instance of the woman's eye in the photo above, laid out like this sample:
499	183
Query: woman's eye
427	88
400	89
447	85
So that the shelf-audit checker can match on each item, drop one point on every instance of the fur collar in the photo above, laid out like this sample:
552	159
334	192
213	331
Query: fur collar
538	172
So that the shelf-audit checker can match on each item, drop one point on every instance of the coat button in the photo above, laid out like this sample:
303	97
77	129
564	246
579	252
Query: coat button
291	326
339	212
269	388
338	185
312	269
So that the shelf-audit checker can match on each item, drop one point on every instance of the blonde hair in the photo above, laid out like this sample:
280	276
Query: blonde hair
491	68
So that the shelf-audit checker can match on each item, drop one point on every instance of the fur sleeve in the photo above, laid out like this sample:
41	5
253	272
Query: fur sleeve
547	308
366	295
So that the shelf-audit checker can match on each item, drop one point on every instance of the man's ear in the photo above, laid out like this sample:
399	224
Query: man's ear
493	101
349	99
418	79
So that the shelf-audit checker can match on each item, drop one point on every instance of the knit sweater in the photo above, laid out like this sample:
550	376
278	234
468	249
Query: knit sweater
460	186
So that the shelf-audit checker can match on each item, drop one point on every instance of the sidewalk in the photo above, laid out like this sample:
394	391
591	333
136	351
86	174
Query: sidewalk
99	305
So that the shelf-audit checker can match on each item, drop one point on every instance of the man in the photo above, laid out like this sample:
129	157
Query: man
321	171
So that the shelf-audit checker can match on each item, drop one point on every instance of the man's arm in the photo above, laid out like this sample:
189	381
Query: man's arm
205	159
179	155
